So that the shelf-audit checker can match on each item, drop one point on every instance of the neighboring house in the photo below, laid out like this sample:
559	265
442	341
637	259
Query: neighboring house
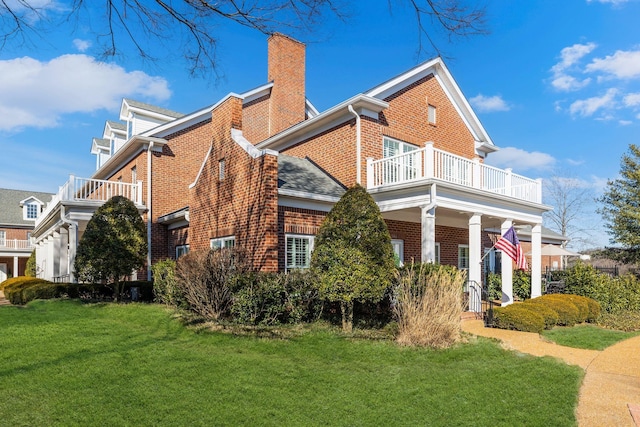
18	213
260	169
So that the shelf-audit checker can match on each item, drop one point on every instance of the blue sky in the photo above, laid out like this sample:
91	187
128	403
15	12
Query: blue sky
555	83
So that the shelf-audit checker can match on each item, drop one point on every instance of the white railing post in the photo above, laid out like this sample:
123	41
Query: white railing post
429	157
70	188
370	179
507	181
539	190
476	180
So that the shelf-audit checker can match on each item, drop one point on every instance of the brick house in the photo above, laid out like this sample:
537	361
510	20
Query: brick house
18	213
261	168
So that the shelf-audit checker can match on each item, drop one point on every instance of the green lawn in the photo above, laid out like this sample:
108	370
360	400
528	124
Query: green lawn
64	363
590	337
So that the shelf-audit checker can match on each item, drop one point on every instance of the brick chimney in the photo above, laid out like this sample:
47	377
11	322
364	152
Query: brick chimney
286	70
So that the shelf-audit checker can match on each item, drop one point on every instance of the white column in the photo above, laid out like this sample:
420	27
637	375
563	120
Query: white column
15	266
475	258
40	259
536	260
507	270
73	246
48	273
57	249
64	252
428	232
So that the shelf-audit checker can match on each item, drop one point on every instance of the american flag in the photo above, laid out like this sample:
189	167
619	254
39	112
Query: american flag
510	245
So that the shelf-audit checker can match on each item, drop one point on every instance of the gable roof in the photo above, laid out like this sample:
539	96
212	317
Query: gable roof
301	176
439	70
10	210
137	106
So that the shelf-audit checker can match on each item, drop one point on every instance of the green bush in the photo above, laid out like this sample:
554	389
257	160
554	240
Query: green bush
594	309
14	287
622	320
494	284
272	298
568	313
165	287
30	268
521	284
519	317
550	316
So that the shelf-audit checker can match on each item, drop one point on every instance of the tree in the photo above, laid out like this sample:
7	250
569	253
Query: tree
30	268
113	245
570	199
353	257
146	25
620	208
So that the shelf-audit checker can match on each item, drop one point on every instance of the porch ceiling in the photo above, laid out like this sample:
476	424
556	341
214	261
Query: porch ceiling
444	217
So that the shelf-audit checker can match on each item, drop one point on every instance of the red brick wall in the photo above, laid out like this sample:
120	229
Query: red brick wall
244	203
255	120
16	233
177	237
287	71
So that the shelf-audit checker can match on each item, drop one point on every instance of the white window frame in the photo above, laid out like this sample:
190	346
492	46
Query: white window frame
181	250
462	258
311	242
30	208
226	242
134	175
431	114
403	168
3	238
398	249
437	256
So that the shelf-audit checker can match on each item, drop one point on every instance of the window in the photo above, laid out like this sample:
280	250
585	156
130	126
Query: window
3	238
298	251
401	168
431	114
492	261
223	242
463	257
32	210
181	250
134	175
398	251
437	260
221	170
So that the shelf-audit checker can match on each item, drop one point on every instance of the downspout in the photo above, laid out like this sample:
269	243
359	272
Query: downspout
149	216
358	145
72	259
433	201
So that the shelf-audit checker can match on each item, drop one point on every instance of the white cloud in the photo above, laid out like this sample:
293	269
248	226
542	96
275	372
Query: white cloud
621	65
488	104
613	2
569	56
574	162
587	107
38	94
624	122
81	45
631	99
520	160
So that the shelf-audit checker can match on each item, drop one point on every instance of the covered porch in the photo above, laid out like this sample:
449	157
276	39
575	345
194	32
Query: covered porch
455	224
59	229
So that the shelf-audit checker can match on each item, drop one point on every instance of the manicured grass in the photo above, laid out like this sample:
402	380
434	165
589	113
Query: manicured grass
590	337
65	363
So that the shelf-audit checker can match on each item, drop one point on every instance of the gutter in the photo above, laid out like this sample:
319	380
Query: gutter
358	145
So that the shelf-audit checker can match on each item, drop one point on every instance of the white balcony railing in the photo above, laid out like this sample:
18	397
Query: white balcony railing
15	244
97	190
429	162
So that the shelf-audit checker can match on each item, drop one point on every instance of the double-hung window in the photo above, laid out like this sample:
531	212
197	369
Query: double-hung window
404	166
463	257
181	250
3	238
32	210
298	251
223	242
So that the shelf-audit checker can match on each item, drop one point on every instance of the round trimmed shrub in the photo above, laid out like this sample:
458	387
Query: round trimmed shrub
519	317
594	309
568	313
550	316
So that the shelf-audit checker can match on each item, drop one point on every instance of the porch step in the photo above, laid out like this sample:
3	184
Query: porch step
3	300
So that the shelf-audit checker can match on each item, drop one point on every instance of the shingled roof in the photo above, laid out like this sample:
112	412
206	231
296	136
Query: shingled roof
10	210
296	174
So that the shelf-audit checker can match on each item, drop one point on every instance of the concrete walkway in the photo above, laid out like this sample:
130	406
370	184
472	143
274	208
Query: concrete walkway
610	391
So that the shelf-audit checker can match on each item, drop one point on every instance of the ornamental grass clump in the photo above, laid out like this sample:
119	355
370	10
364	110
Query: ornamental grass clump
428	305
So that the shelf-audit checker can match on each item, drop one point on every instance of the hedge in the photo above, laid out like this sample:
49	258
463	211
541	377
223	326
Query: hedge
550	315
521	317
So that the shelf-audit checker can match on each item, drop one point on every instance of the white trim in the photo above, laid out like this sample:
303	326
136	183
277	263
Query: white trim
468	256
311	244
204	162
256	93
222	241
306	195
249	148
183	248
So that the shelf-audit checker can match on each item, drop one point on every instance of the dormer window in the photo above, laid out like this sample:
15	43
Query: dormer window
31	208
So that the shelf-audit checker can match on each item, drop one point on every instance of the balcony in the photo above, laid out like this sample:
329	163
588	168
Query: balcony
431	163
93	191
15	245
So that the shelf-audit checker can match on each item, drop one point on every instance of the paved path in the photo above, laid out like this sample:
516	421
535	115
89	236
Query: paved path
610	391
3	300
